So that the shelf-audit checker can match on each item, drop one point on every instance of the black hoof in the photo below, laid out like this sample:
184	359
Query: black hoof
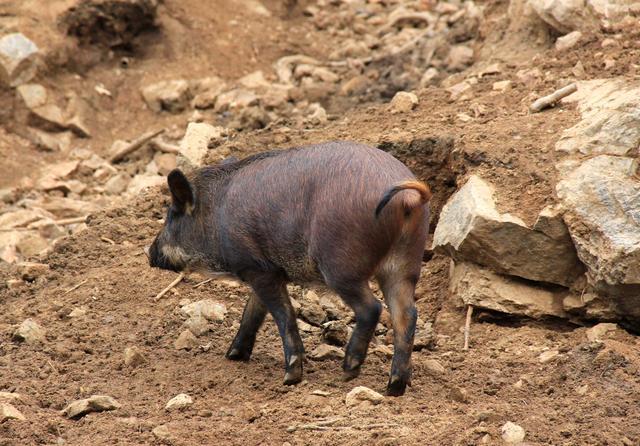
396	386
235	354
349	374
293	373
291	378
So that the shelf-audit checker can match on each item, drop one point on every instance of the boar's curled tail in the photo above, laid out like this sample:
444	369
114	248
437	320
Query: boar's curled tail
418	186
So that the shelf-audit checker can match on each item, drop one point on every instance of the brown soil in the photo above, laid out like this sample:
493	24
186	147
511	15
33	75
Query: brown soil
588	395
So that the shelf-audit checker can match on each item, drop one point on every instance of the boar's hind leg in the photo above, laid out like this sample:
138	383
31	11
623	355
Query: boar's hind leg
367	309
399	295
252	318
272	291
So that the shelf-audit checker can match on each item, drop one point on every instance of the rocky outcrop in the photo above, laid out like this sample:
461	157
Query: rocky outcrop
471	229
483	288
610	122
602	202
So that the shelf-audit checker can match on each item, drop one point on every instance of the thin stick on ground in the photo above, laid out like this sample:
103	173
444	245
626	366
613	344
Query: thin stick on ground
168	288
467	327
76	286
198	285
164	146
107	240
71	221
548	101
134	145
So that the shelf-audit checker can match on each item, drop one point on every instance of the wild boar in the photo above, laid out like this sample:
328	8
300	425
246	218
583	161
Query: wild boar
337	213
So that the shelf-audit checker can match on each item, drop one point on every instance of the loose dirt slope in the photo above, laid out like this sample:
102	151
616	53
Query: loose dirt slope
588	394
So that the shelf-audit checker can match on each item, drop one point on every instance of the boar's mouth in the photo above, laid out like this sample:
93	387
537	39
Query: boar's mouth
166	258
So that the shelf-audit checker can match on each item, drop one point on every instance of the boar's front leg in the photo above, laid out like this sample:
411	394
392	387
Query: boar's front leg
272	291
252	318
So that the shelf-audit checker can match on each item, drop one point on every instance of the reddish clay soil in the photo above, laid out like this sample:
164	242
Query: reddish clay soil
588	395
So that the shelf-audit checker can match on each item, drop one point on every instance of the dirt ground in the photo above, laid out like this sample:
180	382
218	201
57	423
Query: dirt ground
588	395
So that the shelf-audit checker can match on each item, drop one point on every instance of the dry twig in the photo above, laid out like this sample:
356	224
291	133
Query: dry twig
171	285
71	221
76	286
164	146
107	240
548	101
198	285
134	145
467	327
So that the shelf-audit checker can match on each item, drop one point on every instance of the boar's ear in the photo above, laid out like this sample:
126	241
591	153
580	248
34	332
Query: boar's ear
181	191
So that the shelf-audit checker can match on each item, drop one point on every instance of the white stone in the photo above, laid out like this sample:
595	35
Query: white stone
360	394
433	367
548	356
8	412
140	183
461	91
317	115
568	41
194	144
512	433
117	184
30	332
429	76
178	402
600	331
207	308
564	15
171	95
403	102
17	59
459	57
254	81
470	228
501	86
133	357
235	100
95	403
186	341
32	95
324	352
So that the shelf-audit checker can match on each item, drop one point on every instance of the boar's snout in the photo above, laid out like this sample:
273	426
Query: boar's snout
166	257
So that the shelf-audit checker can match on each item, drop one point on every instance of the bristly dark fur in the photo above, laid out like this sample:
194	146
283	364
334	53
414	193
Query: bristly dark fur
303	215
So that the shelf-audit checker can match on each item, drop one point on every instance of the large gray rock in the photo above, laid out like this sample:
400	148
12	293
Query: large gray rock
602	202
471	229
17	59
482	288
610	124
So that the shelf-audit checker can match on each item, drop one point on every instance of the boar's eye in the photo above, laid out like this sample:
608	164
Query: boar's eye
181	191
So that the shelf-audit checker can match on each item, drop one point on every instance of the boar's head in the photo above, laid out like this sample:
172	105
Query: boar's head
174	248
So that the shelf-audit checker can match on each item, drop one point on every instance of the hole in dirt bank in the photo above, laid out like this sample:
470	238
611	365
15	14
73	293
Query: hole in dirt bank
433	160
113	24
